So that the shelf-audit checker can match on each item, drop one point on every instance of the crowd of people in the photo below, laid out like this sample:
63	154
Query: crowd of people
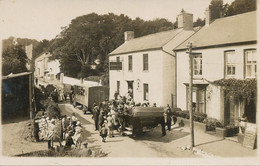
109	116
72	131
112	115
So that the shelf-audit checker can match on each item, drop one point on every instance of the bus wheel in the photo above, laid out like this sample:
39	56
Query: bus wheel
74	104
81	107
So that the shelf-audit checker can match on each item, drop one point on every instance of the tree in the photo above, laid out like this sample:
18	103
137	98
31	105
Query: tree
240	6
199	22
40	47
91	37
14	60
216	9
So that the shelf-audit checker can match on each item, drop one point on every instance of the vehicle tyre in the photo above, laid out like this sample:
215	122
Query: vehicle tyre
74	104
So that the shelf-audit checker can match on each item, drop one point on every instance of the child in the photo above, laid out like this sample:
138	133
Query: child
103	132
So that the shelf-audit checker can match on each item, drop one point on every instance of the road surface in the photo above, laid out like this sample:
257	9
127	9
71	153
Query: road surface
151	144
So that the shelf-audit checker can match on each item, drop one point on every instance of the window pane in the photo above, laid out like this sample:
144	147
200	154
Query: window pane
250	63
118	86
146	93
130	63
230	62
197	65
145	61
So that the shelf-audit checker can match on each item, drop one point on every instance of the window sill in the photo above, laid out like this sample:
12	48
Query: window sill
230	76
250	77
197	77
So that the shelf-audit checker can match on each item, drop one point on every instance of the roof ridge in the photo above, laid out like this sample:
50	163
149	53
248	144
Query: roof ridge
236	15
152	34
173	38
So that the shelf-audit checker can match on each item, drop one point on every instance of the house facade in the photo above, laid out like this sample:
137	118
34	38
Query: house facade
225	48
146	65
45	68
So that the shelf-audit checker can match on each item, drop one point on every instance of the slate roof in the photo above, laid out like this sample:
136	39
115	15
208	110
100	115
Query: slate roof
166	40
227	30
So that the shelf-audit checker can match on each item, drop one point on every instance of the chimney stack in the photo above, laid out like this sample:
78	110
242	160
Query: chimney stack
129	35
208	16
185	20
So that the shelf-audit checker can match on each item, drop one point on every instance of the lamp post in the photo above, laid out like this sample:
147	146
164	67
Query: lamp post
189	51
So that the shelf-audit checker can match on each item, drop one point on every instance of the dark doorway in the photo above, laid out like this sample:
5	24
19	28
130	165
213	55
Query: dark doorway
130	88
250	111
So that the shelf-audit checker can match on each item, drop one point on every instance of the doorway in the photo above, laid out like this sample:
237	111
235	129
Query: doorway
130	85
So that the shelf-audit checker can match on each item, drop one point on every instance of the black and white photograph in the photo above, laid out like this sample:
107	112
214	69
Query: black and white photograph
129	82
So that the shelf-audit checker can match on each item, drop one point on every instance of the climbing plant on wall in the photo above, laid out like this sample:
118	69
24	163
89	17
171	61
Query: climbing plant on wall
240	89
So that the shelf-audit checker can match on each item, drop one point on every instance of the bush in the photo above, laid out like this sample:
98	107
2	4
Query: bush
197	116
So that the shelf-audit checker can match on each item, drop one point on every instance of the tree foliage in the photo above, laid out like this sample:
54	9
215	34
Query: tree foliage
199	22
91	37
240	6
239	89
14	60
216	9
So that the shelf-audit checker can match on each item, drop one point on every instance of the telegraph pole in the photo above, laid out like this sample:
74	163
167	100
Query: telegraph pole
189	51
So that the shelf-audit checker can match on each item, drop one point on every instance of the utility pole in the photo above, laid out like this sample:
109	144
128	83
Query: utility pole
189	51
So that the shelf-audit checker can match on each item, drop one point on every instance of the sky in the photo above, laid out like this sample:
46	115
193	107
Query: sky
43	19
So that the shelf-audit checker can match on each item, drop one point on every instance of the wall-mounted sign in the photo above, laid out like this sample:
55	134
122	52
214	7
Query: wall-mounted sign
115	65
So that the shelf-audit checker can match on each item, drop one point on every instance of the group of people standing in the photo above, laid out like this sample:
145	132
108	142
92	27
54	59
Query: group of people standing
111	115
72	131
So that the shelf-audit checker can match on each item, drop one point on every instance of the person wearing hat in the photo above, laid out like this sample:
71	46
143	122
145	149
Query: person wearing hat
68	139
96	117
168	117
110	125
101	118
77	137
74	120
103	132
50	135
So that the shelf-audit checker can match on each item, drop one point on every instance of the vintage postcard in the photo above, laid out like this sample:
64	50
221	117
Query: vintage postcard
127	82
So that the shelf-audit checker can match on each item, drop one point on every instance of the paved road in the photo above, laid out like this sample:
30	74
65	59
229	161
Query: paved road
151	144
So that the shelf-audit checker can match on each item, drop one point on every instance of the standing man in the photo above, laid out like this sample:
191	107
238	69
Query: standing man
168	118
162	122
96	116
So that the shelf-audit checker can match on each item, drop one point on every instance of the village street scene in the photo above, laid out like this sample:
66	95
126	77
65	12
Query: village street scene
114	83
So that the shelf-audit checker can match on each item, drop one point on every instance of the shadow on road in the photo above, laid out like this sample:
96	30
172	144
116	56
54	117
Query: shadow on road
156	135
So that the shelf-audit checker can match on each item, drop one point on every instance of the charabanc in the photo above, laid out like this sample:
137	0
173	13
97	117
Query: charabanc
142	117
85	96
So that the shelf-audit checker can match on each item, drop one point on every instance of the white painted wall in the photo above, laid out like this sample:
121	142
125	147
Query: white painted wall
212	69
160	65
54	66
168	79
74	81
